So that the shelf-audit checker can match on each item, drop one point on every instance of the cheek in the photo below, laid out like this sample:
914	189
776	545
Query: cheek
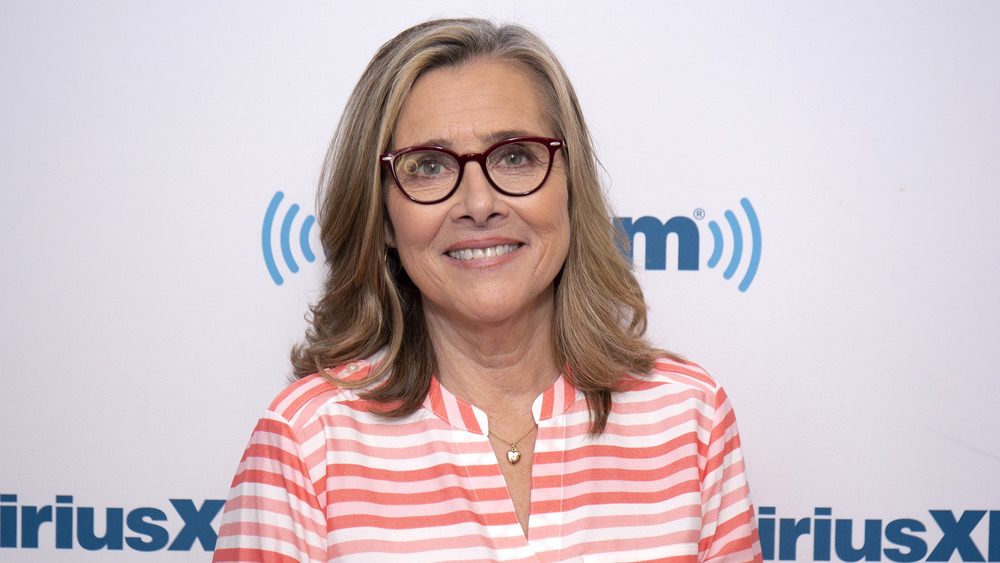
556	217
564	231
396	226
410	228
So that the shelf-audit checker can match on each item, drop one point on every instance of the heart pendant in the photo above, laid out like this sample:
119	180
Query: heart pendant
513	456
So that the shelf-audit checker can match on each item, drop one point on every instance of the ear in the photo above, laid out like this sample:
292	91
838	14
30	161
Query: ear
389	233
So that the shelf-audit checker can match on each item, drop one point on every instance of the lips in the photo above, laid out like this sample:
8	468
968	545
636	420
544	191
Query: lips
466	254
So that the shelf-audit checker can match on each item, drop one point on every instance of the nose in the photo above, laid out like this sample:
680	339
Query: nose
476	199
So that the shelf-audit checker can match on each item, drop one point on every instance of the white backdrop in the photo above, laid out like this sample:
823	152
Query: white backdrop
141	334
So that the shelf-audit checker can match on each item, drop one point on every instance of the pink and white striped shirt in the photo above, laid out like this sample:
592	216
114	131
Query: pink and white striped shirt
324	479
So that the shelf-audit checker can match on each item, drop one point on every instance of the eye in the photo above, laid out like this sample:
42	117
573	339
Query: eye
424	164
513	159
513	155
429	168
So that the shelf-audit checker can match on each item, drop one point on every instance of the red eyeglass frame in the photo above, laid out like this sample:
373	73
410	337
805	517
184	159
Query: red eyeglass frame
389	159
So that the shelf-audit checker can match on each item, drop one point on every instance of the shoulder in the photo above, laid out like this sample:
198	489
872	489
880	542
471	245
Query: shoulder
672	378
676	372
319	393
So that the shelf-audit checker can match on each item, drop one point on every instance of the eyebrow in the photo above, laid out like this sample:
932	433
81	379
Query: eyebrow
487	140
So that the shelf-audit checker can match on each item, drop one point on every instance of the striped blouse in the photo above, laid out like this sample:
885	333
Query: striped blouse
324	479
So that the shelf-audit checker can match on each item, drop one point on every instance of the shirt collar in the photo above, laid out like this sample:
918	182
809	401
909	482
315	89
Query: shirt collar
553	402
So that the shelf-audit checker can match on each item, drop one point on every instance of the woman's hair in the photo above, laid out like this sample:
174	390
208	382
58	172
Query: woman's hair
370	306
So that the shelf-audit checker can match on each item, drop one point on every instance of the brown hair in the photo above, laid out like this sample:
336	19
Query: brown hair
369	303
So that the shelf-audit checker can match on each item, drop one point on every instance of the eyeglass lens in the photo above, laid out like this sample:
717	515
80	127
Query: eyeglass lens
516	168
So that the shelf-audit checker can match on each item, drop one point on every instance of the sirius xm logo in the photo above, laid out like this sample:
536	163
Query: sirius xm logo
303	229
655	233
65	526
939	535
289	238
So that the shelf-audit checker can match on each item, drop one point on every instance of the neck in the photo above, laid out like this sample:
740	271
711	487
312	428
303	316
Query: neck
499	367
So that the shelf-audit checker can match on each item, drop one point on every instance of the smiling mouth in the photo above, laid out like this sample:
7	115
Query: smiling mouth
479	253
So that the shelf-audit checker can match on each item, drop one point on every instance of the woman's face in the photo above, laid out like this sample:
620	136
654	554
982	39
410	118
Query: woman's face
467	109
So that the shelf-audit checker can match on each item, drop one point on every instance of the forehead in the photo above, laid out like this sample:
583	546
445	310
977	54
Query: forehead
467	107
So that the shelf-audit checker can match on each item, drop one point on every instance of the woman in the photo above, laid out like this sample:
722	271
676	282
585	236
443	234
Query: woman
480	385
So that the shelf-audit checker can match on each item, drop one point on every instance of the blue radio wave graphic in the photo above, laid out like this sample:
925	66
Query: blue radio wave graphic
288	221
755	245
285	236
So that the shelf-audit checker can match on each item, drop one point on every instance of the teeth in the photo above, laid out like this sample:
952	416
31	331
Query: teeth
477	253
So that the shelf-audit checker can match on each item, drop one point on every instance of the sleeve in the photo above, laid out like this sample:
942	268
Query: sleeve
729	529
273	513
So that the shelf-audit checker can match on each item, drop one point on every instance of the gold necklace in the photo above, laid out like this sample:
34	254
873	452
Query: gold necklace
514	456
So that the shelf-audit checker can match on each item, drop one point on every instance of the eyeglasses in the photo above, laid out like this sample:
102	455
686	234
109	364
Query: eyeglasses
515	167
